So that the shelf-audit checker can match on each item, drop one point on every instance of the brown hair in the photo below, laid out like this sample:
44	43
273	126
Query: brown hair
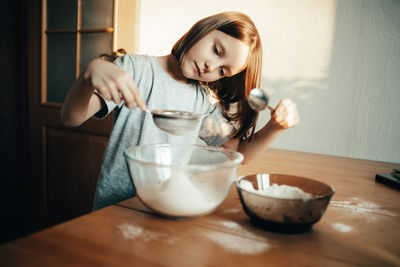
235	89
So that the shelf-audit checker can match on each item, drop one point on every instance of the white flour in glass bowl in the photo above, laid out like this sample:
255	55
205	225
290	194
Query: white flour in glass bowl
177	196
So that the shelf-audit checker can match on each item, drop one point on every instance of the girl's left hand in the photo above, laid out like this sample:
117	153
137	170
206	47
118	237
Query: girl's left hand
285	114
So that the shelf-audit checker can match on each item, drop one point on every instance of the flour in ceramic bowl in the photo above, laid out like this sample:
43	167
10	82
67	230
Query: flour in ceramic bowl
278	191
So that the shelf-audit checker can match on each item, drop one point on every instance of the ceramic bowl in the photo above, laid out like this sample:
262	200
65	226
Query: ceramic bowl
283	213
182	180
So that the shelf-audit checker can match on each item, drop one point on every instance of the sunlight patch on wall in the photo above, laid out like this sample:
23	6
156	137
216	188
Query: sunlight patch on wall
297	39
297	36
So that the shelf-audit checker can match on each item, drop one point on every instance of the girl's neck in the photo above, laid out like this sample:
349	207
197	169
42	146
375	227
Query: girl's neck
172	67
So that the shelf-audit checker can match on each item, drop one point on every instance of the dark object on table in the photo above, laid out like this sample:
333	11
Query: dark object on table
391	179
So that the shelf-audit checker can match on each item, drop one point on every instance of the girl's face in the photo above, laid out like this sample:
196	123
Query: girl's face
215	56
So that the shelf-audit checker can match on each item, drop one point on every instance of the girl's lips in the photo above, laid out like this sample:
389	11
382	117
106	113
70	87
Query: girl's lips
198	69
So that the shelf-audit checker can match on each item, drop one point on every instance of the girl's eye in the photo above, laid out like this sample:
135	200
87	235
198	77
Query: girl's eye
221	71
216	51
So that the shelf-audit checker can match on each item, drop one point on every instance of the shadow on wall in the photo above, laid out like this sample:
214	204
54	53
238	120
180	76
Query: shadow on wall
351	107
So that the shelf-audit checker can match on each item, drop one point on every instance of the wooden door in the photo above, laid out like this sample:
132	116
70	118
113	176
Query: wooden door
65	162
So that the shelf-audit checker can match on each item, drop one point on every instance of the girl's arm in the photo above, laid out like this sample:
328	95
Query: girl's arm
284	116
113	83
80	104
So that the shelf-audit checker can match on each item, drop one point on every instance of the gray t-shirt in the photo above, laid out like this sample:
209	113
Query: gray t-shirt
132	127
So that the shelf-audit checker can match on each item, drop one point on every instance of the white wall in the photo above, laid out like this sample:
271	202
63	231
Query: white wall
338	60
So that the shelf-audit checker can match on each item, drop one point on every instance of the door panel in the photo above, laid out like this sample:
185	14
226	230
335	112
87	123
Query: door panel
73	166
64	162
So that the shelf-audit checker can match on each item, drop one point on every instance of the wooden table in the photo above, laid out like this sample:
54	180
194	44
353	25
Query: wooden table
360	227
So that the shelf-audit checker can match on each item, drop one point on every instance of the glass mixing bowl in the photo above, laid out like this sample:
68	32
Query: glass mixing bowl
182	180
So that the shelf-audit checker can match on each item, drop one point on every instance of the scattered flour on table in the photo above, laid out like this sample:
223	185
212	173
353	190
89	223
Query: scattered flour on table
129	231
132	232
231	225
238	244
249	244
343	228
360	207
278	191
233	210
239	229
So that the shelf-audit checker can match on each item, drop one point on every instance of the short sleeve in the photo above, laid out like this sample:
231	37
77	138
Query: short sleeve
216	130
107	107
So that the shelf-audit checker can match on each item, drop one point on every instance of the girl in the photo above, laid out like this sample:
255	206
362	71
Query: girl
212	68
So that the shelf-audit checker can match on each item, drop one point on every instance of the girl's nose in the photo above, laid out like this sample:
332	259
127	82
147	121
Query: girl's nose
210	66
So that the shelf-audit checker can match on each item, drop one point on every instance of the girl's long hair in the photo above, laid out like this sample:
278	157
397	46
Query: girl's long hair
232	92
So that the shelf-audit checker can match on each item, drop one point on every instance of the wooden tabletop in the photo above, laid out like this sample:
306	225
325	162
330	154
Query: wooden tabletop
360	227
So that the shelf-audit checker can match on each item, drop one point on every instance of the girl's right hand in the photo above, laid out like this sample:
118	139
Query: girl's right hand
113	83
